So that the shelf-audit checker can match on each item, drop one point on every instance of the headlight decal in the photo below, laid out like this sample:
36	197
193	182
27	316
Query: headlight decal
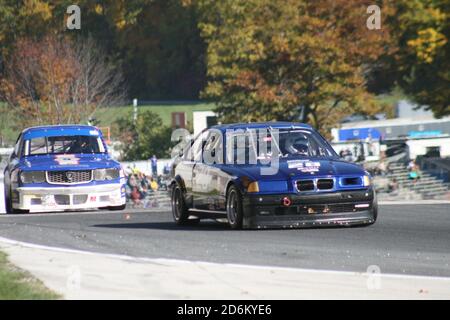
366	181
27	177
106	174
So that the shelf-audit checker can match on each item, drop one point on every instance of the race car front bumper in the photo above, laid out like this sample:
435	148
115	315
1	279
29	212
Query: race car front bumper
345	208
43	199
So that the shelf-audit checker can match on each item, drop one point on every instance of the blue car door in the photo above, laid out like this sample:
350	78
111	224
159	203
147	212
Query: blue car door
208	178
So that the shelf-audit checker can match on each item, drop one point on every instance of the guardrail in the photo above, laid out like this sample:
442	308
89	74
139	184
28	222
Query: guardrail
437	167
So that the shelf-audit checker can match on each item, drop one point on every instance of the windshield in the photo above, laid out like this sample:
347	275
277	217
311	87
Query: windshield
65	145
280	143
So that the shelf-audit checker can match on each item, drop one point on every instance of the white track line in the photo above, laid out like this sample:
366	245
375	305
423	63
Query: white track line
181	261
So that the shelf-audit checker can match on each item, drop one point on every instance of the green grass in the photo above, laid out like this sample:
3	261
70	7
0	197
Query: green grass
16	284
107	116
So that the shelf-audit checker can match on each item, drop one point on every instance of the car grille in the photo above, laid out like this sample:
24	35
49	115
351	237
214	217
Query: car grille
325	184
321	184
305	185
69	177
80	199
62	199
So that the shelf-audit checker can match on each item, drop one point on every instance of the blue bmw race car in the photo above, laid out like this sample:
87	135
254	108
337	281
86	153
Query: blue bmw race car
56	168
269	175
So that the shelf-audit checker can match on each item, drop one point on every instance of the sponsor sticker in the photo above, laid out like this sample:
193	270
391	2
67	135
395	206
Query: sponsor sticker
63	160
304	165
48	201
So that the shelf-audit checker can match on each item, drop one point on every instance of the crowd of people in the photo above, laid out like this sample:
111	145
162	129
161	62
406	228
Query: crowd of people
382	169
140	187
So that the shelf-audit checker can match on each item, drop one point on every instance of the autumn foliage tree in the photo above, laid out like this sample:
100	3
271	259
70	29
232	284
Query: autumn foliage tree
422	61
143	138
290	59
55	80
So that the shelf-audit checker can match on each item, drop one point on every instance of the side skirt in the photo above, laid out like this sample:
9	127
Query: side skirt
207	214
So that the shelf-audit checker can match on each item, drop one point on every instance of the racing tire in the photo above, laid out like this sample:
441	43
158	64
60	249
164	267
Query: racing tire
7	200
374	210
8	204
235	213
180	211
375	214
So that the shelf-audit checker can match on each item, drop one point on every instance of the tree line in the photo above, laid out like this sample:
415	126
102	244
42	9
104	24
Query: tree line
311	61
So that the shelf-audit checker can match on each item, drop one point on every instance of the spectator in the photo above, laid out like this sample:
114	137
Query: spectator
135	194
136	197
154	161
153	184
414	173
348	156
162	183
382	168
393	185
145	183
411	165
167	168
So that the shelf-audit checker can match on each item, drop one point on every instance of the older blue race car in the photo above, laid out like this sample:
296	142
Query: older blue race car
56	168
269	175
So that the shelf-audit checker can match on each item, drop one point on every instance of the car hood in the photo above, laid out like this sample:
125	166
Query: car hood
67	162
298	168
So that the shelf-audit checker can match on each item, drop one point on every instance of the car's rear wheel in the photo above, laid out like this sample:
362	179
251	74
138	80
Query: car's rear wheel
180	211
234	208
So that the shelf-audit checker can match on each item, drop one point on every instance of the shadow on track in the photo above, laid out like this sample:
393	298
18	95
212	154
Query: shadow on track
209	226
170	226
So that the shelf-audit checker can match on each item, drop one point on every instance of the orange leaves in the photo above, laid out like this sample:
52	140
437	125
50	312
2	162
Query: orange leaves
266	58
56	81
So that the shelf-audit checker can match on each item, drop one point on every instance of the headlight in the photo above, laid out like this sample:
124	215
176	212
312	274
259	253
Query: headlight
249	185
253	187
366	181
106	174
15	176
32	176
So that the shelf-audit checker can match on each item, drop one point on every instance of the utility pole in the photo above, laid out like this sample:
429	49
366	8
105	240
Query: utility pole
135	110
302	113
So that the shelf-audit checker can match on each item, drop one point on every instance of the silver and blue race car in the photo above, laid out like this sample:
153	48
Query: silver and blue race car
65	167
269	175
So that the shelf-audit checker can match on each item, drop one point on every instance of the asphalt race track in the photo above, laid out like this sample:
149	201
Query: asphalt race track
407	239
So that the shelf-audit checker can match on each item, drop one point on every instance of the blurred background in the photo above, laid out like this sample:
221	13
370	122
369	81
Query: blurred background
140	68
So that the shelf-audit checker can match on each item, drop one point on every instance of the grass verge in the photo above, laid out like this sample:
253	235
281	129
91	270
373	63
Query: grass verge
16	284
106	116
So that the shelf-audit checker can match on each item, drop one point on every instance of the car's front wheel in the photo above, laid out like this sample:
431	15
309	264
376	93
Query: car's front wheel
8	203
234	208
7	199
